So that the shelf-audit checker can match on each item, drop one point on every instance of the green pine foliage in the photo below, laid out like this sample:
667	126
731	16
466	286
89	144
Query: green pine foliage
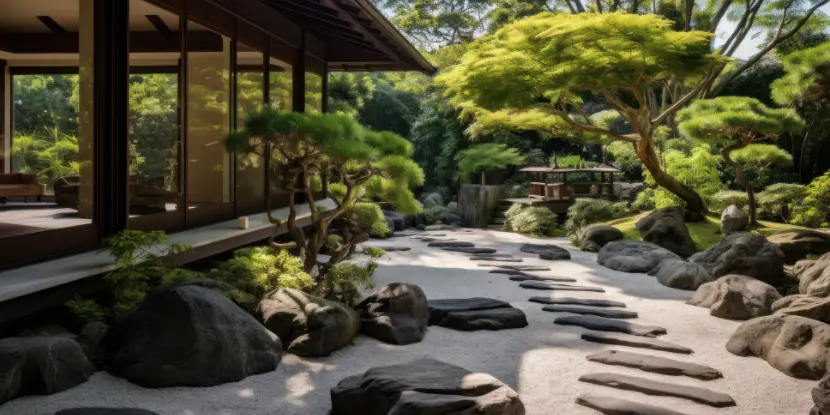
807	76
368	217
482	158
725	198
724	120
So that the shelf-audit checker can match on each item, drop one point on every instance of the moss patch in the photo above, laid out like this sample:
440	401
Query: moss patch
705	234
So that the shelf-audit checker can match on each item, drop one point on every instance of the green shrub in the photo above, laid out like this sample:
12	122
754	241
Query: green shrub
587	211
644	201
725	198
815	211
344	281
777	201
258	271
533	221
436	215
139	271
375	252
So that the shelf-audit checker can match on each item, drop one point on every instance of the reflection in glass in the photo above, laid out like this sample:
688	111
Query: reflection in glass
47	179
280	89
153	178
314	92
208	120
250	95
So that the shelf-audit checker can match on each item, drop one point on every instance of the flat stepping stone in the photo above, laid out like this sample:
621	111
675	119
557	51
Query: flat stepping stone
104	411
469	250
616	406
507	271
636	341
550	251
450	244
655	364
610	324
493	319
602	312
544	285
657	388
577	301
439	308
522	267
494	258
526	277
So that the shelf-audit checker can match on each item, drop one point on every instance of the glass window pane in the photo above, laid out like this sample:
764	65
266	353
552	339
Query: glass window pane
314	92
208	117
154	180
250	95
280	90
47	122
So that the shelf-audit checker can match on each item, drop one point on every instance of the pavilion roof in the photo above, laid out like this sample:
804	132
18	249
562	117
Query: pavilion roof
602	168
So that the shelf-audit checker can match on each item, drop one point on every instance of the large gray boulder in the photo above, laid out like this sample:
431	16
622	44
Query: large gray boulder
545	251
189	336
680	274
743	253
736	297
733	219
667	228
434	199
308	325
795	345
424	386
105	411
821	397
815	280
797	244
41	365
628	191
816	308
597	236
452	207
633	256
396	313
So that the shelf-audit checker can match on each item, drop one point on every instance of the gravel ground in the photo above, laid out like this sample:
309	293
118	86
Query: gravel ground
542	361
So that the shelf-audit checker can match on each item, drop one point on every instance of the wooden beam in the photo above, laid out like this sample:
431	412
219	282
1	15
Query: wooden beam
160	26
53	26
140	42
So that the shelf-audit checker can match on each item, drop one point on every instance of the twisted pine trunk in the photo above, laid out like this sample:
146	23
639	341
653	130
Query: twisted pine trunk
695	207
741	178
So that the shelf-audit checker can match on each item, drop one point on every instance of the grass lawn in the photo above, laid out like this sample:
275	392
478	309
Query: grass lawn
705	234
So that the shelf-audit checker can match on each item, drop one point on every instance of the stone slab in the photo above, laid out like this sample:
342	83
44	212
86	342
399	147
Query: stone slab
655	364
450	244
636	341
469	249
542	285
439	308
523	267
577	301
596	311
610	324
526	277
615	406
657	388
494	259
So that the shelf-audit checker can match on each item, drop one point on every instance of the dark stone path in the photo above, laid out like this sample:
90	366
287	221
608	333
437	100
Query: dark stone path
655	364
595	311
653	387
610	324
636	341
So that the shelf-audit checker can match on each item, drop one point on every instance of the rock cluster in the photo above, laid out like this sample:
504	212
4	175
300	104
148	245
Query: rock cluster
736	297
667	228
396	313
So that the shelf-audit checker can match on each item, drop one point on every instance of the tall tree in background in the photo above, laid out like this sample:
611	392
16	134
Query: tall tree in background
806	86
533	73
434	23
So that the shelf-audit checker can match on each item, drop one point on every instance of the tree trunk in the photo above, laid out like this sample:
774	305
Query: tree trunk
741	178
695	207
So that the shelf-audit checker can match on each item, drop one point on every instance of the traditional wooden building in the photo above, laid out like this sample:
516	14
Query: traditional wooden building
112	114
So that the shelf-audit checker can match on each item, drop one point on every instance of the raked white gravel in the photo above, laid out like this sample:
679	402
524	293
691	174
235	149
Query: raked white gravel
542	361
